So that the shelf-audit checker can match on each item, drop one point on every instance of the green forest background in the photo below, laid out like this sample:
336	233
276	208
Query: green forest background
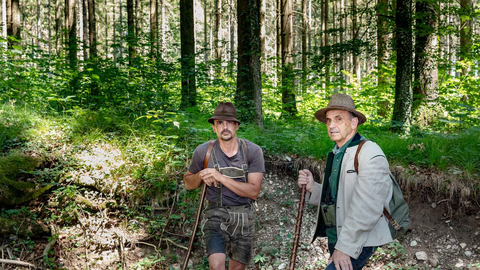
137	81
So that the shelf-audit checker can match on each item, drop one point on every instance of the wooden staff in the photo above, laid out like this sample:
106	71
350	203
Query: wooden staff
298	227
200	207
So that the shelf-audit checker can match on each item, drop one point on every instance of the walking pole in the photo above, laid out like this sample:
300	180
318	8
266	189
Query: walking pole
200	207
298	227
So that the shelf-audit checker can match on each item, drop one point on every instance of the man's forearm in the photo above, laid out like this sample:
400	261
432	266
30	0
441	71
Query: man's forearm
192	181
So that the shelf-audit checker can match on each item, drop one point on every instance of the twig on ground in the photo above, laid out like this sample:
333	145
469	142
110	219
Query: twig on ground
444	200
15	262
168	218
50	244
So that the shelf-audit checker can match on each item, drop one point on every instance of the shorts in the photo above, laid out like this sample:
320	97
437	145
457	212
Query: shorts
229	229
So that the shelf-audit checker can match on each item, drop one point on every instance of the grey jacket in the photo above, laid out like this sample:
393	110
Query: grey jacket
360	200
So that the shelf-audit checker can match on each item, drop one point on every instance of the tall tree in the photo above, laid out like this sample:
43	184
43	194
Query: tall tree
131	32
49	27
382	41
153	28
4	23
232	37
205	29
84	27
403	78
355	34
426	72
92	28
263	27
106	28
217	42
249	82
187	38
305	31
326	55
288	95
71	23
58	17
278	40
466	30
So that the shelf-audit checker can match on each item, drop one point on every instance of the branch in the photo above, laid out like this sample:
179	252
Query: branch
15	262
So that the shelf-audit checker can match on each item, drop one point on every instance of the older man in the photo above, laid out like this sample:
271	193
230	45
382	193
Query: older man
350	204
234	177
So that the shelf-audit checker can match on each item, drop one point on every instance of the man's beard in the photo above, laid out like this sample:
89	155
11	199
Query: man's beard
226	139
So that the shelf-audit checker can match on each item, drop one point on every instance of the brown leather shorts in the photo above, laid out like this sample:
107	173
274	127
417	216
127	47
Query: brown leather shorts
229	230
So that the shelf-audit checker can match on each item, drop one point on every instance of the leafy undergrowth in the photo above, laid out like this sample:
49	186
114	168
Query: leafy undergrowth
115	180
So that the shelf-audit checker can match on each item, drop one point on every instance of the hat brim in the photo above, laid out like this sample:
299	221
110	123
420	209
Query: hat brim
227	118
321	114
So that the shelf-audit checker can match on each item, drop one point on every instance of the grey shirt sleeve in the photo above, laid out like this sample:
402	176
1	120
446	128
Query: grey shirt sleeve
255	158
196	164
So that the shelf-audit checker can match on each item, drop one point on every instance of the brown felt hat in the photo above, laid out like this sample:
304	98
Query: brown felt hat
224	111
340	102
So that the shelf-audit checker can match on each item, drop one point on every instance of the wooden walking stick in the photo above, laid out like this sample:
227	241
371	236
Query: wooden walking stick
199	210
298	227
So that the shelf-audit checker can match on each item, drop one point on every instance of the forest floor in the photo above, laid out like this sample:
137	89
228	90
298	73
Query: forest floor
113	238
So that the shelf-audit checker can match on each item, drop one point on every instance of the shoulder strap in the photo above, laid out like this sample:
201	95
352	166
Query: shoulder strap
385	211
355	161
244	152
207	156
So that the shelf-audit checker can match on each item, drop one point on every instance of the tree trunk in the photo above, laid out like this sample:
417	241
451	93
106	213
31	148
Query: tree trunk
326	44
58	14
341	36
39	35
4	23
217	41
153	28
131	32
137	18
249	82
403	77
279	34
466	26
49	27
426	73
232	37
71	19
187	37
92	30
304	46
84	28
263	27
382	42
163	29
114	32
8	16
288	95
205	29
120	18
106	29
355	32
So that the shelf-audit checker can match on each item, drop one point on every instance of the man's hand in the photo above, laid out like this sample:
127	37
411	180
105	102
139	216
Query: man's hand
340	260
211	176
305	177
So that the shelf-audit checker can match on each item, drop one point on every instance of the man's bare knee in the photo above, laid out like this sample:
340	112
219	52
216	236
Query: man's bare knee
216	261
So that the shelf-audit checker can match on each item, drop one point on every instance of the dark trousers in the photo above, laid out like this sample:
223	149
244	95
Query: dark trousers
357	264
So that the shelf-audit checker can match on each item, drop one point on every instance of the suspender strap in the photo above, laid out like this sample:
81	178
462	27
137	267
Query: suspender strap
244	151
207	156
385	211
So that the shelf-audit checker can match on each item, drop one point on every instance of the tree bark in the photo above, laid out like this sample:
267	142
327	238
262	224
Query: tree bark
263	27
163	29
153	28
131	32
232	37
279	34
426	72
49	27
4	23
205	29
249	82
8	16
403	78
187	37
92	30
106	29
39	34
355	56
71	19
382	41
58	16
305	30
84	28
326	44
466	26
217	41
288	95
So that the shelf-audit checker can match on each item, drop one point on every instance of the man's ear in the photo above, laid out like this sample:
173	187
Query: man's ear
355	122
214	129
